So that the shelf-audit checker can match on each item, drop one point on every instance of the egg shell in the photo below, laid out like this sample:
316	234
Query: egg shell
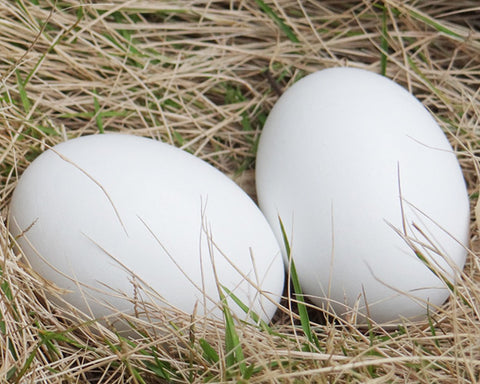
361	175
96	210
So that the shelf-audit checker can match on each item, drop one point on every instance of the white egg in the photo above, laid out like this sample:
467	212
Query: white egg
94	211
361	175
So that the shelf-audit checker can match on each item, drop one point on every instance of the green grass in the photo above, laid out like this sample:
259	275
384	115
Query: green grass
299	298
278	20
47	340
435	24
451	286
209	352
428	82
234	357
98	112
23	94
384	42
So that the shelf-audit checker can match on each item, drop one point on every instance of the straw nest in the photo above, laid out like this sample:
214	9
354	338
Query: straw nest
203	75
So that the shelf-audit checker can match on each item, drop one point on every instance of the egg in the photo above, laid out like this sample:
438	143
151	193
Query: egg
102	215
370	193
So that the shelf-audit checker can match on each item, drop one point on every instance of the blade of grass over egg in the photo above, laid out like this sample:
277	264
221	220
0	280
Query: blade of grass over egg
302	308
451	287
254	316
263	325
278	20
234	353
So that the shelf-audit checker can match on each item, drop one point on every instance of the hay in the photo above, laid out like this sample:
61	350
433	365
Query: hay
203	75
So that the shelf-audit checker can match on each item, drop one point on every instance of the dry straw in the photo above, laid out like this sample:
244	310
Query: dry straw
203	75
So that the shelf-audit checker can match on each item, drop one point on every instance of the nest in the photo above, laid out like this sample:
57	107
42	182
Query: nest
203	75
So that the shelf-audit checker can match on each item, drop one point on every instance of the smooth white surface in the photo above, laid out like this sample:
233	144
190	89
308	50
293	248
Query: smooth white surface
178	214
337	151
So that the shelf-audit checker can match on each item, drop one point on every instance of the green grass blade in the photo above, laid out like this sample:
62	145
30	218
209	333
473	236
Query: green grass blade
249	371
234	352
302	308
48	335
5	287
434	24
47	341
243	306
92	114
430	85
23	94
139	379
278	20
158	370
451	287
11	373
98	113
27	364
254	316
384	43
208	351
158	367
178	137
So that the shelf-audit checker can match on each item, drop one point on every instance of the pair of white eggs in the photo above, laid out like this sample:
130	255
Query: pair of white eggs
365	182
